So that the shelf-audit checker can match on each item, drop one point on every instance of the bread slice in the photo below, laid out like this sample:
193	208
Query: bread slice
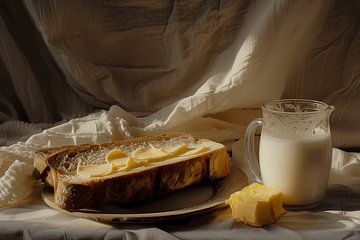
72	191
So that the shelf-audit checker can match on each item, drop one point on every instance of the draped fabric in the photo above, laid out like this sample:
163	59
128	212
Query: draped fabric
60	59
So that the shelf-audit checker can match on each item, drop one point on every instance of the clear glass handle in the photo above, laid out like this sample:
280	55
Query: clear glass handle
250	155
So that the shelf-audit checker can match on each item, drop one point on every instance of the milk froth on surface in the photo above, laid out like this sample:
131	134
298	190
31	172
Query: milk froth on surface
299	168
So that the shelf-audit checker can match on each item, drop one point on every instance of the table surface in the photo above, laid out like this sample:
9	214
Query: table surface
338	217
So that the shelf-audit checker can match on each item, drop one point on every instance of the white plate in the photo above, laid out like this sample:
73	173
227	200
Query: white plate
194	200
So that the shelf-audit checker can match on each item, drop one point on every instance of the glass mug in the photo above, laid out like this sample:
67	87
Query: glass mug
295	150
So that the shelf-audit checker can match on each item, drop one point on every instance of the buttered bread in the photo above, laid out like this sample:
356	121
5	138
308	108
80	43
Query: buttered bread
130	170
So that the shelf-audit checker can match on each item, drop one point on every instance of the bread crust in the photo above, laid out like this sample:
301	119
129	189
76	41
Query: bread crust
42	169
136	185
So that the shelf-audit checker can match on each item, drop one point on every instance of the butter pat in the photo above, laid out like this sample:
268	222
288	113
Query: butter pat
196	151
175	150
149	155
115	154
95	170
117	158
119	161
256	205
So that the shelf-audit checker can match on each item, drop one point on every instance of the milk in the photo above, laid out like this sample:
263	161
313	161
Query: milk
298	168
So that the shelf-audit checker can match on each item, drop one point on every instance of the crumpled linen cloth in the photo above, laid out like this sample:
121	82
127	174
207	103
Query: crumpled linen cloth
117	124
37	221
338	217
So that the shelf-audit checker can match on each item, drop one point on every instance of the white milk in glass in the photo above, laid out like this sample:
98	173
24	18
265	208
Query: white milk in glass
299	168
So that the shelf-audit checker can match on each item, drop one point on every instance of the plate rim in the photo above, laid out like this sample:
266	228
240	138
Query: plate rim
47	196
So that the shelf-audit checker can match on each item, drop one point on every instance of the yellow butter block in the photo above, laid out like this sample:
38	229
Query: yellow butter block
256	205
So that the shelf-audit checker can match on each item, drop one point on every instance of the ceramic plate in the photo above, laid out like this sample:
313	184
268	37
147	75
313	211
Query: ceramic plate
191	201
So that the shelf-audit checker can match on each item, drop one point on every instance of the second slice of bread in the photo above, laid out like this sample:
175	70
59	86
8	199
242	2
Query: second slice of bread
73	192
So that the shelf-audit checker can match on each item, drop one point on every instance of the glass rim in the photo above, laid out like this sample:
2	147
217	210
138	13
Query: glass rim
324	107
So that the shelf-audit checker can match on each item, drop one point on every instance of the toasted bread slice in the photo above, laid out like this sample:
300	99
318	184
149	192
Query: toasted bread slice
73	190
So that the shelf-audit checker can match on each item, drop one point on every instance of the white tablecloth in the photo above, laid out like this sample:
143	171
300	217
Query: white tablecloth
338	217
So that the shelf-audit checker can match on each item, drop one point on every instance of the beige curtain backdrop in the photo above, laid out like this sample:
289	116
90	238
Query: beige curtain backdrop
176	61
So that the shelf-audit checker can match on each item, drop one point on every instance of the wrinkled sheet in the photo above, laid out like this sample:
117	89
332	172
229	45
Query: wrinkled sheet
338	216
36	221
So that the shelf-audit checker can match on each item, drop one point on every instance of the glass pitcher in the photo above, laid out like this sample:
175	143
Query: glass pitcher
295	149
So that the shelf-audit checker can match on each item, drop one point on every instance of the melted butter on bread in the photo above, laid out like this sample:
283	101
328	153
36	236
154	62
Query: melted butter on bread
176	150
130	164
143	156
119	161
195	151
97	170
115	154
151	154
117	157
256	205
